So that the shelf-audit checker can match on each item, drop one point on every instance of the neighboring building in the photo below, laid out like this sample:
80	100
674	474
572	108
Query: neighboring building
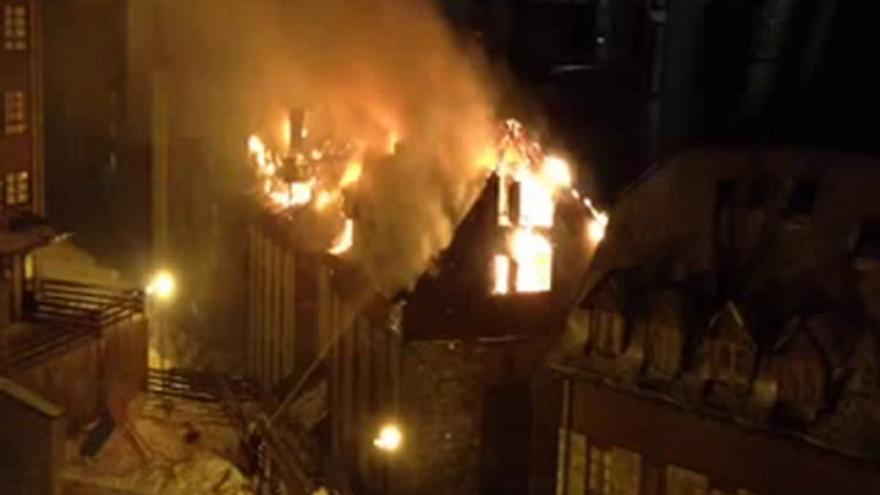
68	350
727	337
32	432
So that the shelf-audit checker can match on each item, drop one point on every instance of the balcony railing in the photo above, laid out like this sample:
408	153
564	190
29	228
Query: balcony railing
64	314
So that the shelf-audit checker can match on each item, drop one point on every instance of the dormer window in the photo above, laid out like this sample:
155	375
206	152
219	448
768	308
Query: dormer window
868	243
664	349
800	381
731	349
606	332
732	362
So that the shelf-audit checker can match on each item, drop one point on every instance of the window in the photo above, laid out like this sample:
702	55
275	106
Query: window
16	189
625	472
732	362
577	464
14	114
606	332
15	28
614	471
8	268
680	481
29	268
597	457
868	243
800	381
664	347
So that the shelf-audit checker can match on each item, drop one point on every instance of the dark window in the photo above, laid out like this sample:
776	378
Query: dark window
741	363
868	244
757	195
803	198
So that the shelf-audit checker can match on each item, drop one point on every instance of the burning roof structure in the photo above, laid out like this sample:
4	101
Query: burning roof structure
317	180
499	289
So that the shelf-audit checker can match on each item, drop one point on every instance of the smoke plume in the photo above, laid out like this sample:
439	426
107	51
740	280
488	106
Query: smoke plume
371	71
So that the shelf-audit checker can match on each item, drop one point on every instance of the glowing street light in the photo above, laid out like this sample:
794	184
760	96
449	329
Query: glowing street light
390	438
162	285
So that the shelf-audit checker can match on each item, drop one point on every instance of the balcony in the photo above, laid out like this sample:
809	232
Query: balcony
61	314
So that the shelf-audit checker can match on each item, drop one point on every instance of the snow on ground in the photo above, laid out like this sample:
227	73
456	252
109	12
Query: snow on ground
173	447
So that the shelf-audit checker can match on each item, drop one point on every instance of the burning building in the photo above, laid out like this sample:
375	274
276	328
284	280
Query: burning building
726	338
409	386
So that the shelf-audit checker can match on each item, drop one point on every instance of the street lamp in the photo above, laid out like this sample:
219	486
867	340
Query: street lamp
389	439
162	285
160	290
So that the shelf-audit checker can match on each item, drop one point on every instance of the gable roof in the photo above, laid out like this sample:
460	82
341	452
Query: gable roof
454	299
800	327
730	311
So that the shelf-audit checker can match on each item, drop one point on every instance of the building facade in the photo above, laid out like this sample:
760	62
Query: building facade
726	341
453	365
68	350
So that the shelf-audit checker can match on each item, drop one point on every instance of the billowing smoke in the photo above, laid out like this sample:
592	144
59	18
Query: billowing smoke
372	71
368	71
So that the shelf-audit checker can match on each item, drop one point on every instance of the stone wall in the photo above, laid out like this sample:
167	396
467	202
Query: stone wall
31	442
459	438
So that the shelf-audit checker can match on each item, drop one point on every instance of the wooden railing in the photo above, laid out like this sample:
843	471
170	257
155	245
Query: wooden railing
77	305
200	386
65	314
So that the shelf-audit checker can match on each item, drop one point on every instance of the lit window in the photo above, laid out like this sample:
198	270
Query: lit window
664	348
577	463
501	274
29	267
16	189
14	115
606	330
15	28
680	481
624	472
595	479
731	361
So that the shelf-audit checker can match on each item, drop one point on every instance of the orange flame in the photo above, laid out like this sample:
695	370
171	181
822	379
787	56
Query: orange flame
501	274
345	240
351	175
393	139
597	225
540	181
534	258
